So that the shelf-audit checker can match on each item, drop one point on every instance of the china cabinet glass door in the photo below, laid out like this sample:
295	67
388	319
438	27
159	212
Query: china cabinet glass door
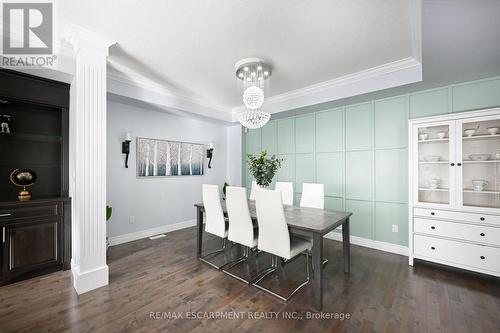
478	148
434	162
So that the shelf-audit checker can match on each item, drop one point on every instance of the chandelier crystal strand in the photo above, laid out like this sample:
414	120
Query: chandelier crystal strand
253	119
254	73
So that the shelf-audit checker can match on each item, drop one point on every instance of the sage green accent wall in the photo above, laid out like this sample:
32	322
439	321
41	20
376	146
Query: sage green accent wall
360	152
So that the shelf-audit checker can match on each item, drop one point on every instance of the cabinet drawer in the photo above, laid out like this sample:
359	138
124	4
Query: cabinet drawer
454	252
470	232
29	211
457	216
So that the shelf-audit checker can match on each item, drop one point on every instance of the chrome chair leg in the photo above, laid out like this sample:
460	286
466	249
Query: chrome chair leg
213	254
274	264
242	259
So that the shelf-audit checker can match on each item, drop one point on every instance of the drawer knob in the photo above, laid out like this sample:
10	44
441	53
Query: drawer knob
482	218
452	164
483	257
433	227
433	248
482	234
432	213
459	164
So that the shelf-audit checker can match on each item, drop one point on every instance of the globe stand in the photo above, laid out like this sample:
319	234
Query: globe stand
24	194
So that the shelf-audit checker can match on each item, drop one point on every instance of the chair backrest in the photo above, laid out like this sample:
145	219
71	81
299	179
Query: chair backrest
240	222
253	191
313	196
286	189
274	236
214	222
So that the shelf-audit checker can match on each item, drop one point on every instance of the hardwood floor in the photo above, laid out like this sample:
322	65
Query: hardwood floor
381	294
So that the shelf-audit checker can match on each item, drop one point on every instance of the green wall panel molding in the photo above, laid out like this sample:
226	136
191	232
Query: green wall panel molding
304	134
359	126
330	130
304	170
286	135
476	95
330	172
287	171
359	175
429	103
269	141
391	175
387	214
359	152
361	219
391	123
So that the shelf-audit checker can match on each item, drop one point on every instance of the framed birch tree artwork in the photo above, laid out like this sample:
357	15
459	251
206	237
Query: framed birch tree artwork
163	158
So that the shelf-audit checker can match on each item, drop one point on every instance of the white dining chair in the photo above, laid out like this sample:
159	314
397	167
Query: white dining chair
241	229
215	223
254	189
286	189
274	238
313	196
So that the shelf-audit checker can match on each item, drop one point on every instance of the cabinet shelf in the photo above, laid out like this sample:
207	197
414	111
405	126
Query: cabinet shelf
433	189
487	161
481	192
434	140
483	136
438	162
31	137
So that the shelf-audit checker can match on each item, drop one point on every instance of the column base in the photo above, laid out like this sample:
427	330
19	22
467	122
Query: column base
90	280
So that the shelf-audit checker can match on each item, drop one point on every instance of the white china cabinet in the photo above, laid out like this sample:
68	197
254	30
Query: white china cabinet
455	190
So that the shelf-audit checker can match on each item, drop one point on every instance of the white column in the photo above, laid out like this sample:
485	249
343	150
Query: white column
88	159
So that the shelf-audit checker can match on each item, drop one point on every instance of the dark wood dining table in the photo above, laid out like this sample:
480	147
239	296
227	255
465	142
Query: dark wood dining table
311	222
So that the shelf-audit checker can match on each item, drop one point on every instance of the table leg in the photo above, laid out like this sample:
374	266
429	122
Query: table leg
317	283
346	246
199	231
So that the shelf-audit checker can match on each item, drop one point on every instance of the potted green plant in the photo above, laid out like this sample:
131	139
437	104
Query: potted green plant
263	168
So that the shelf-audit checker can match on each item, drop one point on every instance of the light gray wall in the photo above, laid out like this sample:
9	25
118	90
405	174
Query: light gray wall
156	202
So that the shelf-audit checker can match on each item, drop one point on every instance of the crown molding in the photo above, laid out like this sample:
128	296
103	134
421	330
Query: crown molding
389	75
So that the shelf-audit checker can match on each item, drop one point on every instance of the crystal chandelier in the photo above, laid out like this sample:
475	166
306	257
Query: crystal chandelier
253	73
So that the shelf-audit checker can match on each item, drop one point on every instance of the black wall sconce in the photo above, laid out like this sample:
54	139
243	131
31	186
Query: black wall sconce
210	154
126	147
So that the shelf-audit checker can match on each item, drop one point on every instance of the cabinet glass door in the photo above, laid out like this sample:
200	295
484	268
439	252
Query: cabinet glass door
433	157
479	151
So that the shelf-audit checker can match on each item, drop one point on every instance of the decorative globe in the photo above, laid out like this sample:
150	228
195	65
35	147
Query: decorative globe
253	97
23	177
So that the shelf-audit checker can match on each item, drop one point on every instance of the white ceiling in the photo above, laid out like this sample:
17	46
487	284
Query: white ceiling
191	46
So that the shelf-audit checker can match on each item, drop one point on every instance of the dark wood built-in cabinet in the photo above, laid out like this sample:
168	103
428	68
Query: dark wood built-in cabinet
35	234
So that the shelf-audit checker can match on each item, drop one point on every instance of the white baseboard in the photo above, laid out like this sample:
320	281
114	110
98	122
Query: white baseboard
373	244
150	232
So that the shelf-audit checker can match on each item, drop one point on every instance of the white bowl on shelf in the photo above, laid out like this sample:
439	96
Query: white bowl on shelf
479	184
441	135
493	130
423	136
432	158
479	157
434	183
469	132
